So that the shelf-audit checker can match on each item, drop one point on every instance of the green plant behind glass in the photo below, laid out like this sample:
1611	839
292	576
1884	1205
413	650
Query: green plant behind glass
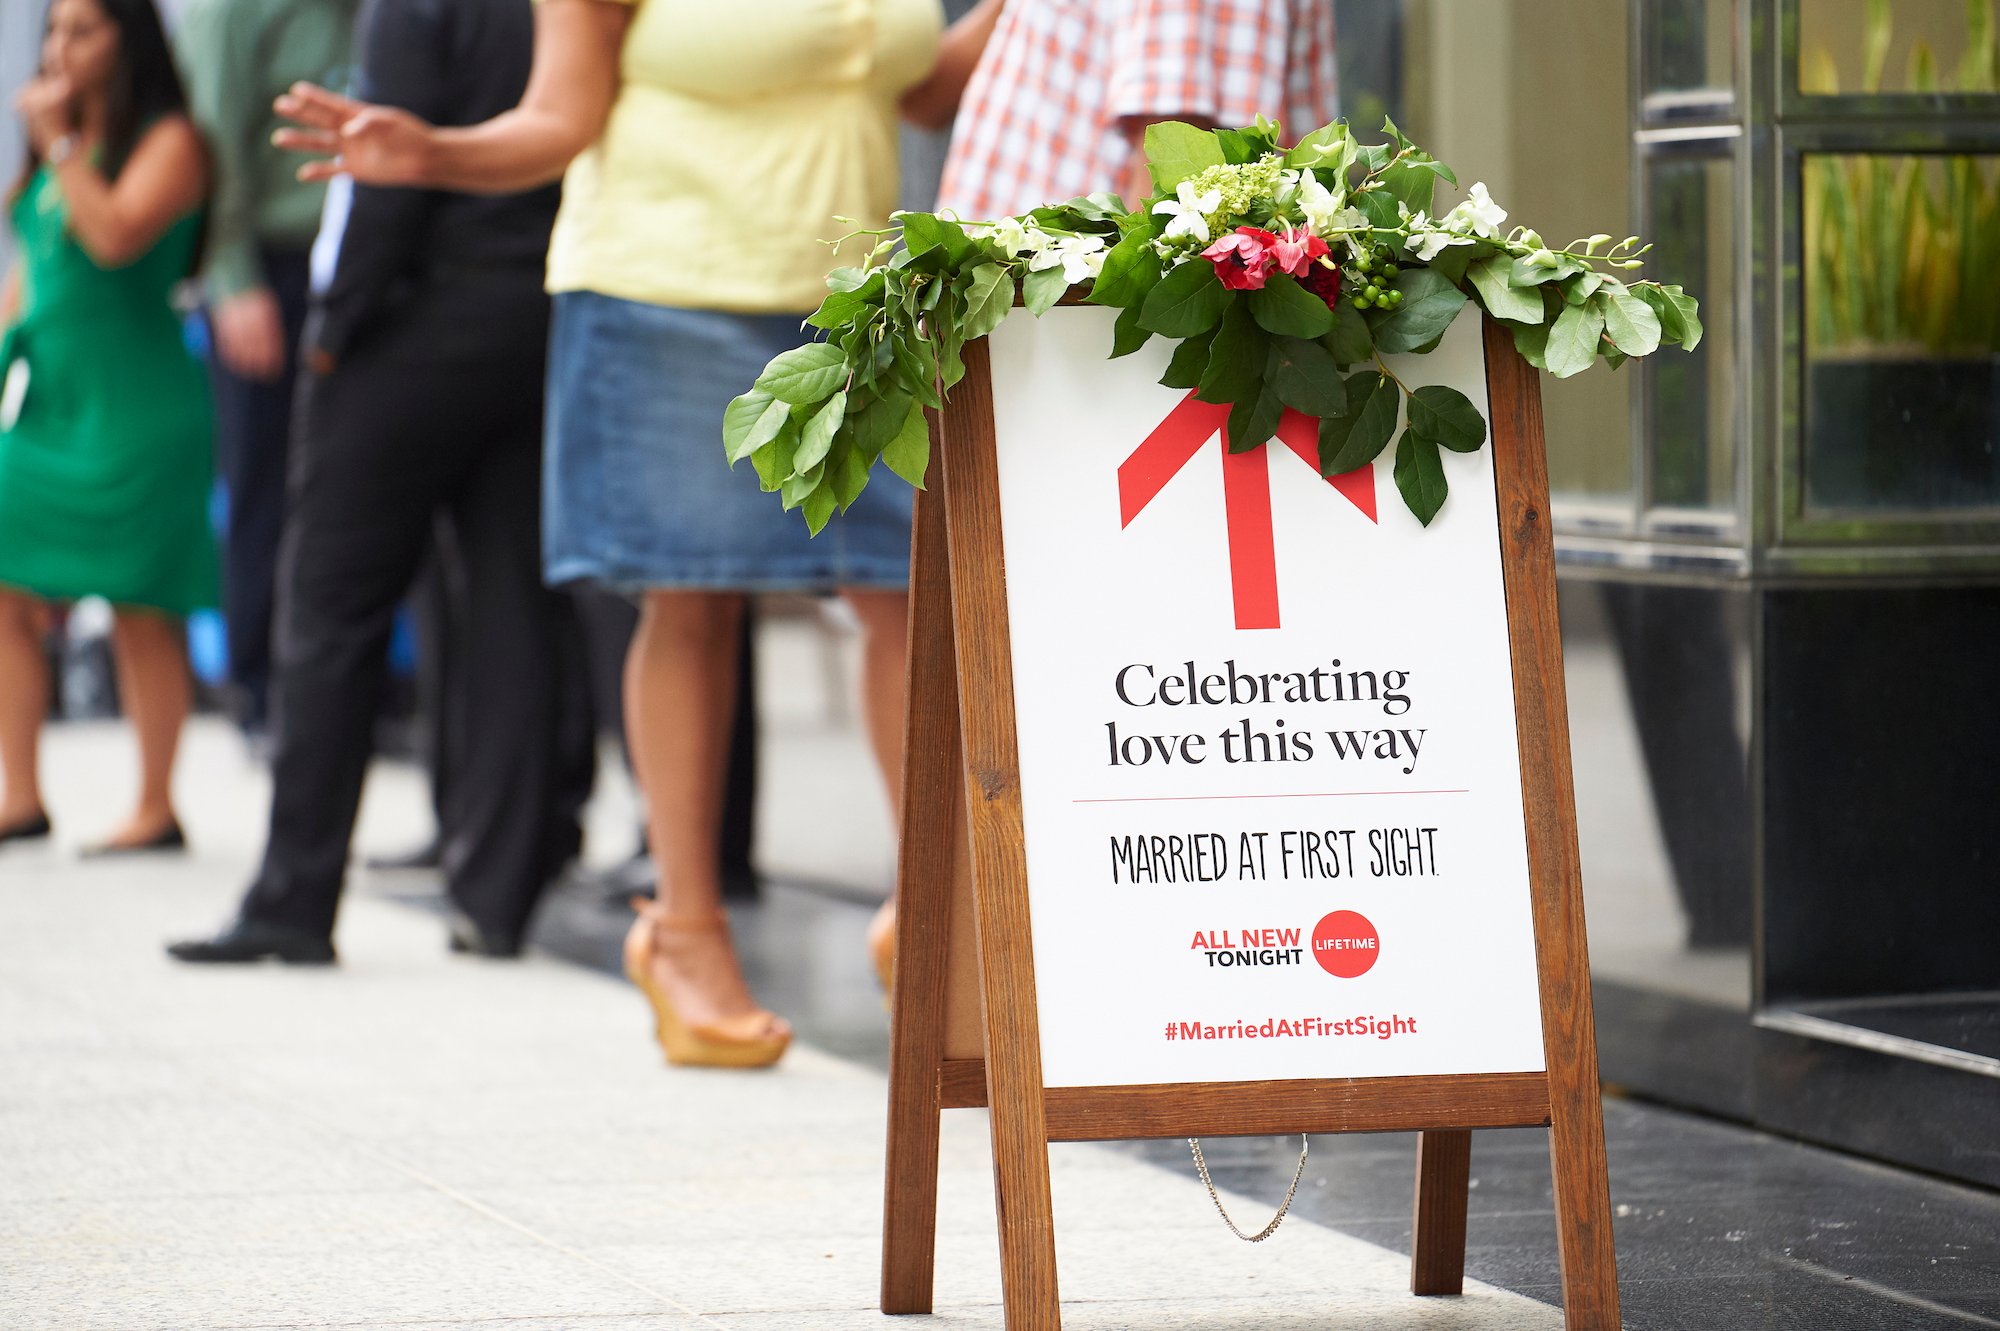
1903	251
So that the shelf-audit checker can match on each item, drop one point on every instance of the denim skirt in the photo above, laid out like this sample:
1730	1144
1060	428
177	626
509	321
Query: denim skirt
637	492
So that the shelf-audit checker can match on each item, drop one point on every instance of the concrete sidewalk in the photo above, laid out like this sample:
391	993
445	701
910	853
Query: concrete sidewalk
416	1140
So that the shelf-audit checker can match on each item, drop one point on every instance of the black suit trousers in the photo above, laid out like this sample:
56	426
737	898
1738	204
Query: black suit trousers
437	414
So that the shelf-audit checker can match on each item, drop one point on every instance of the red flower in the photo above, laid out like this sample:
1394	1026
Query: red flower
1296	250
1244	258
1323	282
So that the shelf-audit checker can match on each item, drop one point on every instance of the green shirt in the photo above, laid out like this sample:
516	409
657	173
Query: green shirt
236	57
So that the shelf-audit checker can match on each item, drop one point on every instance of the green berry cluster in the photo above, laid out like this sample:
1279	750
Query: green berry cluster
1368	278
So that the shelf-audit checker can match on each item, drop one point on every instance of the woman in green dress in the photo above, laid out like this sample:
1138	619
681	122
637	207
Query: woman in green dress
104	421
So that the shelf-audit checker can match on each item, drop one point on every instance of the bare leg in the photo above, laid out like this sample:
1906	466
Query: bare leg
151	651
680	695
24	696
885	648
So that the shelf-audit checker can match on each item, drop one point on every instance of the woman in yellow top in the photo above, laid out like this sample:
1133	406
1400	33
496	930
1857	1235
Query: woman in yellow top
709	149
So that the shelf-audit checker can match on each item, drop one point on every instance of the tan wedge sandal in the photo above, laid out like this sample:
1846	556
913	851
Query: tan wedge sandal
752	1040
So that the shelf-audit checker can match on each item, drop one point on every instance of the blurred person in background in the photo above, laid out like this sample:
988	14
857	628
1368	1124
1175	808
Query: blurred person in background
713	146
1103	72
236	56
104	421
420	434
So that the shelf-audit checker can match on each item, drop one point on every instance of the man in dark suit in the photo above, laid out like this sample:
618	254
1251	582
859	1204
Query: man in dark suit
422	400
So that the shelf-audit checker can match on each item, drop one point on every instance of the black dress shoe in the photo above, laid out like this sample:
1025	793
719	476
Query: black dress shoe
246	940
430	855
469	938
169	839
35	827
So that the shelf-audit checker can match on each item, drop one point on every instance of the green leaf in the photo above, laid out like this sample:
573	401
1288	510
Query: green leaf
1420	476
817	437
1042	290
924	232
909	453
1430	303
1236	358
819	506
1189	362
987	300
1533	344
1356	439
1447	416
1322	147
1254	418
1454	261
1130	270
842	306
1689	313
801	484
1580	287
847	279
879	420
1414	180
848	467
1307	378
1527	274
916	368
1632	324
1188	300
1493	279
1127	335
1573	341
1283	306
1243	145
750	422
804	375
1350	341
774	460
1379	207
1176	150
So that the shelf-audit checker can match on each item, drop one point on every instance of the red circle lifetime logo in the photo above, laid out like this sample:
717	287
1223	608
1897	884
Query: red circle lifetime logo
1346	944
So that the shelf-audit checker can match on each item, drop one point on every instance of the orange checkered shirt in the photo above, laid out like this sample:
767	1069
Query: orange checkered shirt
1041	118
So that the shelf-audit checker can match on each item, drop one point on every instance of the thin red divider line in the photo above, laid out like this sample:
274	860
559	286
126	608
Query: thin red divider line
1308	795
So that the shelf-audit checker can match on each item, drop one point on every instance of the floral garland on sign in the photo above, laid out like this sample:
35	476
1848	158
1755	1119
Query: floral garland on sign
1284	276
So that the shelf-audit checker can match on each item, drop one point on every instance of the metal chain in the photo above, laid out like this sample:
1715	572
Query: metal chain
1201	1167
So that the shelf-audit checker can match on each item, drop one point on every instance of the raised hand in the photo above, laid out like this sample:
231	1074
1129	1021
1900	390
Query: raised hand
48	109
377	145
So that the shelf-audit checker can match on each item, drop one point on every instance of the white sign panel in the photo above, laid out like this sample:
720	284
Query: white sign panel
1271	791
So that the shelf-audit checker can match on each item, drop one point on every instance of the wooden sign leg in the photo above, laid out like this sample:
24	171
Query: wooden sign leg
1555	867
999	855
1437	1252
933	801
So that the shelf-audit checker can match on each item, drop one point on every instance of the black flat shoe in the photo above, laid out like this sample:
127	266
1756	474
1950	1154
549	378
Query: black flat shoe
248	941
169	839
35	827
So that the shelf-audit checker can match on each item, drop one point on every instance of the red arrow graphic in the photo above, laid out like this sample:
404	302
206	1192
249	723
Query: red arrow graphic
1246	493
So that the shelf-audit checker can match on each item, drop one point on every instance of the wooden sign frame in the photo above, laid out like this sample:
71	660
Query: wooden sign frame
965	1028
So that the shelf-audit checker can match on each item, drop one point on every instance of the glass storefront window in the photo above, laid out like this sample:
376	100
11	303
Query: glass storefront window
1691	400
1690	48
1912	46
1902	333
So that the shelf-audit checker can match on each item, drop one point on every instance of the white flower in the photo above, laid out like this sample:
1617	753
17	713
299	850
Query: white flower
1428	239
1081	257
1478	215
1015	237
1325	211
1189	211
